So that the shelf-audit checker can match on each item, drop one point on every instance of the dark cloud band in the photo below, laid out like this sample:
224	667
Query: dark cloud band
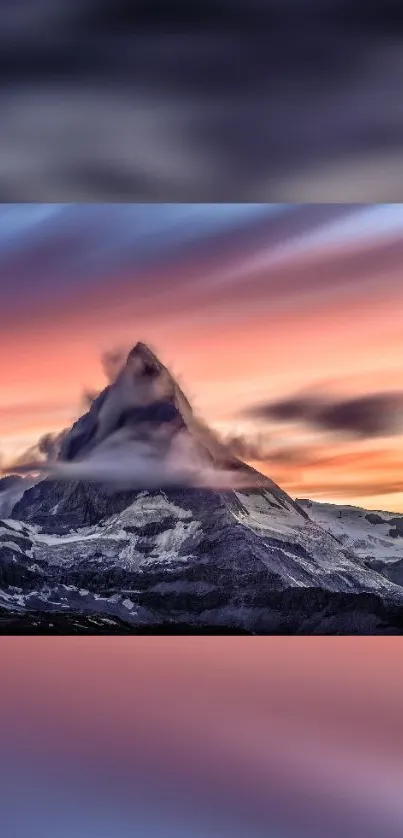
376	414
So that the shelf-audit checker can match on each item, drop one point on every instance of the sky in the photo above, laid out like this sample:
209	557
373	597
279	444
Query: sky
282	323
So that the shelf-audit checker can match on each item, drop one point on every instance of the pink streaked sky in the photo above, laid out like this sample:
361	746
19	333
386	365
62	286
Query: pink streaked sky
247	304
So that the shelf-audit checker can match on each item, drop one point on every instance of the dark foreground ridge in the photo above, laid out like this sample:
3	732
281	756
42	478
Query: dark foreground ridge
68	624
311	612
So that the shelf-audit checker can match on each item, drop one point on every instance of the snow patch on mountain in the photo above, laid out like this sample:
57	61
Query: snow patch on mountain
371	535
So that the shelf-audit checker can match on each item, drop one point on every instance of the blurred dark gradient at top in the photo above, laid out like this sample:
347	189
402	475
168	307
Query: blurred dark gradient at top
292	100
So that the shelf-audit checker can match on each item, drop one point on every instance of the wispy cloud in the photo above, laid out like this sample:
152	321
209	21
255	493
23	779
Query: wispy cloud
123	462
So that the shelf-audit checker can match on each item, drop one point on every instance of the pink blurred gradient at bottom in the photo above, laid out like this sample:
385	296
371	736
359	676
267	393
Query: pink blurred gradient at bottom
287	736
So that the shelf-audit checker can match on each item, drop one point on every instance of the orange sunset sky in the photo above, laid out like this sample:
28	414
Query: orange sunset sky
259	310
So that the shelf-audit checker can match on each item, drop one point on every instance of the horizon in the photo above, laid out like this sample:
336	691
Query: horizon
280	322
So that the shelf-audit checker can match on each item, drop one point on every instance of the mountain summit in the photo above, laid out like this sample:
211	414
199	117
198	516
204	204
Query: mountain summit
148	357
143	396
148	521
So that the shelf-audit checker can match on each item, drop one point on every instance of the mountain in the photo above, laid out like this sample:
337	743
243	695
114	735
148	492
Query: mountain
146	522
376	537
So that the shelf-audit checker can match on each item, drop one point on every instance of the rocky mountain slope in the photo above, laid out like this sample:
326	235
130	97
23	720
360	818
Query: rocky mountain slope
376	537
145	522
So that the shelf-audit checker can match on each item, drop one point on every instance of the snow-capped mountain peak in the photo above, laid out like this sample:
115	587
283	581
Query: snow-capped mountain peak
177	543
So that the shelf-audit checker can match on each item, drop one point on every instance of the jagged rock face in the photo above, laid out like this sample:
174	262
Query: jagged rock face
60	507
249	560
